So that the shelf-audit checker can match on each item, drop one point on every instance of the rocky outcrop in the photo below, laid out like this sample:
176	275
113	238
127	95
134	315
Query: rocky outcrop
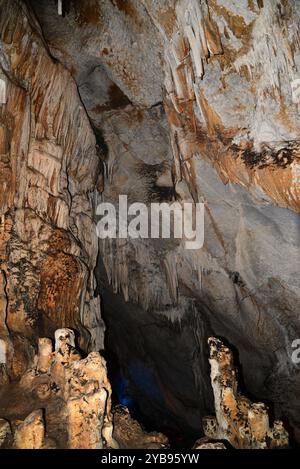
234	144
220	71
30	433
49	169
189	101
5	431
76	397
111	49
204	443
243	423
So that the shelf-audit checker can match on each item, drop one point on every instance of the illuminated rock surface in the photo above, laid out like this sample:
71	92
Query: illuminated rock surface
161	101
243	423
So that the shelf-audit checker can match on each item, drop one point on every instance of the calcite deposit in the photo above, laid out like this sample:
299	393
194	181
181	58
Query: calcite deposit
49	170
162	101
5	431
206	444
130	435
243	423
30	433
84	393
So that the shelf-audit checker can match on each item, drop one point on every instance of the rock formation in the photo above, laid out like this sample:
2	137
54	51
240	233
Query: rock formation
161	101
130	435
30	433
82	387
49	172
204	443
243	423
5	431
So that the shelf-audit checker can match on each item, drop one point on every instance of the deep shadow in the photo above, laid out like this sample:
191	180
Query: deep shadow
151	366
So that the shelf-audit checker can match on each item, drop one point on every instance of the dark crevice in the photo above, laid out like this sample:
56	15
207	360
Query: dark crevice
152	365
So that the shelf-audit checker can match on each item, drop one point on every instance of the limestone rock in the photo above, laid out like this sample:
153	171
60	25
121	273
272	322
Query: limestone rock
242	281
118	64
88	396
83	386
211	446
243	423
5	431
49	165
205	443
130	435
188	100
29	434
44	355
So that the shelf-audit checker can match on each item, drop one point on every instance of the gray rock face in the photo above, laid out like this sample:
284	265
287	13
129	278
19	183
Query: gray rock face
189	100
116	37
49	172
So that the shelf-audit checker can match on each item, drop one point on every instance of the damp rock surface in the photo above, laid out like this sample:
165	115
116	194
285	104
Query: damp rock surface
243	423
75	395
162	101
130	435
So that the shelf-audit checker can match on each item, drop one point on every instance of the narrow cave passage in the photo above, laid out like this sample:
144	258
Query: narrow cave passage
155	368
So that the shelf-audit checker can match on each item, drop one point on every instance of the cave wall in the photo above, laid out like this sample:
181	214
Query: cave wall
190	101
49	174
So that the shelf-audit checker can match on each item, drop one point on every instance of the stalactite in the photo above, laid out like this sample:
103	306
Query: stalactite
59	7
3	91
200	277
271	65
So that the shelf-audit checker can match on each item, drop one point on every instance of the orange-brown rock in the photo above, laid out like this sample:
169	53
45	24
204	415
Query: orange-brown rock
130	435
30	433
81	384
5	431
44	355
48	167
205	443
243	423
193	100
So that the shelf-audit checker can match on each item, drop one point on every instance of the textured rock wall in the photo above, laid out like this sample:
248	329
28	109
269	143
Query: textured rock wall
243	423
193	100
230	69
49	170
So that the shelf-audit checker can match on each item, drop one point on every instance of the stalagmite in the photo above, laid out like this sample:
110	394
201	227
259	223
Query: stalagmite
5	431
3	351
44	355
83	386
243	423
88	396
64	340
3	97
30	433
130	435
